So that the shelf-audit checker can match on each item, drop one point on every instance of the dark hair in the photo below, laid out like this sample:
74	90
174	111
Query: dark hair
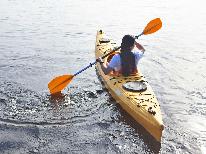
127	57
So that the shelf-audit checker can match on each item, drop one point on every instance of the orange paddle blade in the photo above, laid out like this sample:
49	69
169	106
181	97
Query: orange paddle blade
153	26
59	83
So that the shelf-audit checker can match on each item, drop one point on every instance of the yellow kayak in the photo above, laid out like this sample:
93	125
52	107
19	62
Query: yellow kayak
140	103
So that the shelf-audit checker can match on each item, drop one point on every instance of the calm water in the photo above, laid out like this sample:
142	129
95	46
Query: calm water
46	38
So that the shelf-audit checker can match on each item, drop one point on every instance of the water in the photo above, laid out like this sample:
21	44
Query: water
43	39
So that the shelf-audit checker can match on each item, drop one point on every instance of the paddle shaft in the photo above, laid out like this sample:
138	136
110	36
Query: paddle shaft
91	64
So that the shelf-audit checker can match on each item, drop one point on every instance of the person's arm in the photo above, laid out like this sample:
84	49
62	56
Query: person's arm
105	69
140	47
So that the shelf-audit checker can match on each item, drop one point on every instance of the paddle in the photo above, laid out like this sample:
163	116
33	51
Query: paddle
60	82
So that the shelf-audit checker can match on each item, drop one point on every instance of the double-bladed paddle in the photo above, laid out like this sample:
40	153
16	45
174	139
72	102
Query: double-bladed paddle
60	82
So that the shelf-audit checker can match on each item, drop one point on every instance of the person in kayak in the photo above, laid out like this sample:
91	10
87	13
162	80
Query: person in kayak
126	61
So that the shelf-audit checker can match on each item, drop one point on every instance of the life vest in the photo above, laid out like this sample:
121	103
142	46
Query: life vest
118	73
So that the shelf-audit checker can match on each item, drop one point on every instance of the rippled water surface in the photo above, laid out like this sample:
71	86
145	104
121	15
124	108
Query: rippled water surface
46	38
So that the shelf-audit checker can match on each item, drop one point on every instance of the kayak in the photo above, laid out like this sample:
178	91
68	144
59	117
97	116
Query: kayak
133	93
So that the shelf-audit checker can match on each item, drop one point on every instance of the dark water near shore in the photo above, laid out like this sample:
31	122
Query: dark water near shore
46	38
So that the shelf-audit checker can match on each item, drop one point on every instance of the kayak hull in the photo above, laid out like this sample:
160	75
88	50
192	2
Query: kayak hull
142	106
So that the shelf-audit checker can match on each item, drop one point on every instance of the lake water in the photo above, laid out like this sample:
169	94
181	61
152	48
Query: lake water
46	38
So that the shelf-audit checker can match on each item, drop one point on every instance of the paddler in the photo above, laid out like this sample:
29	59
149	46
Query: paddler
126	61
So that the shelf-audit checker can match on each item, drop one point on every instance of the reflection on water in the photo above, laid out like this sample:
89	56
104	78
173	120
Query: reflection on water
43	39
57	98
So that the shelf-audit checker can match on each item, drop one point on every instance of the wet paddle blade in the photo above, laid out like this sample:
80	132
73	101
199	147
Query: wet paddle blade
153	26
59	83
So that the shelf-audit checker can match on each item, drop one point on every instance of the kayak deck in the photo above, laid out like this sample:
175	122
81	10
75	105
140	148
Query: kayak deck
142	106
